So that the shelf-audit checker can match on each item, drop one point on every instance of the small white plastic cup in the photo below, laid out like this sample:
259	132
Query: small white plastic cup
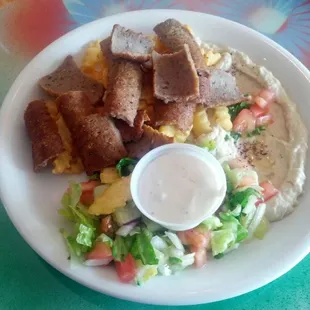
216	173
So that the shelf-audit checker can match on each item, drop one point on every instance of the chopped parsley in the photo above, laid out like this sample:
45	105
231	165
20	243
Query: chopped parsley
256	132
235	135
235	109
227	137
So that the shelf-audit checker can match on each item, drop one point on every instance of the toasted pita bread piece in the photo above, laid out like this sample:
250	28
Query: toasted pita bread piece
99	143
68	77
124	91
43	133
174	35
151	139
74	106
132	133
175	76
179	114
128	44
218	88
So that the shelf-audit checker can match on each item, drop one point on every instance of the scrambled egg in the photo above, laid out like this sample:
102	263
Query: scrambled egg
64	163
94	64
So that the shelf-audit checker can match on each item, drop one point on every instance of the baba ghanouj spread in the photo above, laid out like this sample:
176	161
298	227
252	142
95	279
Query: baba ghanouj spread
134	93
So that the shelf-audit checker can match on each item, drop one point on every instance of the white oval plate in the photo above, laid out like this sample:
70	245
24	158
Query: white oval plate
32	200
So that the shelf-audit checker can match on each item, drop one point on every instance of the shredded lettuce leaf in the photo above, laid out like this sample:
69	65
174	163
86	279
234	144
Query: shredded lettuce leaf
142	248
84	231
211	223
119	249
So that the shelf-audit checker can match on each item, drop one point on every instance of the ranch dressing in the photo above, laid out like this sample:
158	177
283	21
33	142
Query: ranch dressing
180	188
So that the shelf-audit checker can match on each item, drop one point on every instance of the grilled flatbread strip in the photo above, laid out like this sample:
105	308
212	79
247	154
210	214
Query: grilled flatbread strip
174	35
179	114
68	77
43	133
175	76
132	133
124	91
218	88
99	143
151	139
128	44
74	106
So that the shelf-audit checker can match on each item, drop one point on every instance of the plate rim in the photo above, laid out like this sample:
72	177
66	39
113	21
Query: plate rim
10	97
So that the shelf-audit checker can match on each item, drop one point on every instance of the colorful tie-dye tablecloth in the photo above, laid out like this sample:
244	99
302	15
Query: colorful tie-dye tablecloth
26	27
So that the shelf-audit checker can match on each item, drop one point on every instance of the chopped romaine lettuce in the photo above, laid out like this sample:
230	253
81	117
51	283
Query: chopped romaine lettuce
257	218
221	240
119	249
151	226
211	223
126	214
142	249
125	166
84	232
242	197
104	238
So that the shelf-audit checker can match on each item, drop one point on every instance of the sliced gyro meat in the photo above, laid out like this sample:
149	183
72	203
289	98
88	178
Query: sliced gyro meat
151	139
174	35
124	91
179	114
128	44
43	133
99	143
175	76
218	88
132	133
68	77
74	106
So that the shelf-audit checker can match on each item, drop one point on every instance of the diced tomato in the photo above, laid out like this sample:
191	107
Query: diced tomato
264	120
127	269
195	238
269	190
268	95
257	111
200	256
247	180
264	98
87	197
239	163
106	225
89	185
183	237
261	102
245	121
100	255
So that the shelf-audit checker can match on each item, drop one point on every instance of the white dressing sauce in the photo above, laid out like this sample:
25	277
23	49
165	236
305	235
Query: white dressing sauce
178	188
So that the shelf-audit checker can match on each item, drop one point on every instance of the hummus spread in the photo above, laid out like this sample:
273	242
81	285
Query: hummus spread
279	153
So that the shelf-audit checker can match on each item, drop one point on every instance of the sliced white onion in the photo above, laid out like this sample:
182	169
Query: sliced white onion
97	262
175	240
126	229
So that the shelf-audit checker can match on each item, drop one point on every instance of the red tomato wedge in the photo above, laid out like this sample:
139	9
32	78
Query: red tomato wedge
87	197
100	255
245	121
200	256
269	190
268	95
264	120
264	98
127	269
195	238
257	111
